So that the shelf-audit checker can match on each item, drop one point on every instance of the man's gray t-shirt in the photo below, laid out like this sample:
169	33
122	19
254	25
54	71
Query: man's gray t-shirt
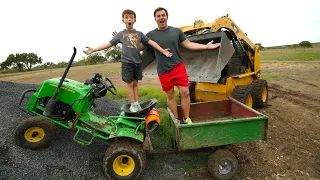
130	40
169	38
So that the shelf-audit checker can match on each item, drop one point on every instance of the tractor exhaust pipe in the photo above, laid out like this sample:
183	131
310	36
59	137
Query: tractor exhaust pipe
52	101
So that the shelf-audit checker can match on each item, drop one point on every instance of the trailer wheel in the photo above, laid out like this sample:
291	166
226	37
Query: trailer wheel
244	95
124	159
260	92
35	133
222	164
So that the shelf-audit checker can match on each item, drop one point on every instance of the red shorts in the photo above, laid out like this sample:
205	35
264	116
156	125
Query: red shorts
177	76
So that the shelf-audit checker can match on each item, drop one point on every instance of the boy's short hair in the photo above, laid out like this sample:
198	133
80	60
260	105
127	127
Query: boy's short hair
129	12
160	9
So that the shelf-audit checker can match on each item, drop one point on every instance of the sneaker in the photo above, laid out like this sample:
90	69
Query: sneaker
137	106
187	121
177	121
132	108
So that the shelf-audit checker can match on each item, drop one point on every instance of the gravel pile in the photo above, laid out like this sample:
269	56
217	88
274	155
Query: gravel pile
64	158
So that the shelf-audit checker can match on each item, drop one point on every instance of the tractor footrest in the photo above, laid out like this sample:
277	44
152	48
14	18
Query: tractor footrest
84	136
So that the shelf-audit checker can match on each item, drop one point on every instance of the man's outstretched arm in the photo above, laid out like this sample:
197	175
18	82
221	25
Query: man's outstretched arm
196	46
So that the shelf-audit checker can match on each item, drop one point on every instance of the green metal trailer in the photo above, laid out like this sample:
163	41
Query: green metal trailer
216	124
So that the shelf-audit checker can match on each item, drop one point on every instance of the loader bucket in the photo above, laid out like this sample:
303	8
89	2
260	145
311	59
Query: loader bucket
202	66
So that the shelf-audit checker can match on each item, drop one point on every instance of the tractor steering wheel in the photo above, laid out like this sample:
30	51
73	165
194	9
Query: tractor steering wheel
110	87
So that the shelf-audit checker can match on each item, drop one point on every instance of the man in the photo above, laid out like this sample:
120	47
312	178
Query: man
171	70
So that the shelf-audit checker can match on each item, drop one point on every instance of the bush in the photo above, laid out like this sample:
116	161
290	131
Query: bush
305	44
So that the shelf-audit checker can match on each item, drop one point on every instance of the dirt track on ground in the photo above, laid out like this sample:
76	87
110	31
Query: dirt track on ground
292	149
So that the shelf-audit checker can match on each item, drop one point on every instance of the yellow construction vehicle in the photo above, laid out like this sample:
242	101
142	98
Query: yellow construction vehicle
231	70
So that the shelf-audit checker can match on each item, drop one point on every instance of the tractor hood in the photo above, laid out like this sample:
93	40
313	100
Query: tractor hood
202	66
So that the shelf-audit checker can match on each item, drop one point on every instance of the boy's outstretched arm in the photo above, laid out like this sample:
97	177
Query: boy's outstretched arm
166	52
92	50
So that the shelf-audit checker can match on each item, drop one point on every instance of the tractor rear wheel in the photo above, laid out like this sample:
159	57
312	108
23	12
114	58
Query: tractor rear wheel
244	95
260	93
222	164
35	133
124	159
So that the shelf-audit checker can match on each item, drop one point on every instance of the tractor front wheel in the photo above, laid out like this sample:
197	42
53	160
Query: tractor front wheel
124	159
222	164
260	93
35	133
244	95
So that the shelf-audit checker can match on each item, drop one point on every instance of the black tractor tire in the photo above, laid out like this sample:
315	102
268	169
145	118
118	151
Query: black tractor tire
260	93
244	95
124	159
35	133
223	164
192	92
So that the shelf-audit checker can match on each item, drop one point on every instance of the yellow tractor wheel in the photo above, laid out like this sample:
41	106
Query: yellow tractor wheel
244	95
260	92
35	133
124	159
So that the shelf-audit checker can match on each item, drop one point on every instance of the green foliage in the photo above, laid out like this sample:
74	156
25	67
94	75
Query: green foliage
260	45
305	44
113	53
95	58
21	61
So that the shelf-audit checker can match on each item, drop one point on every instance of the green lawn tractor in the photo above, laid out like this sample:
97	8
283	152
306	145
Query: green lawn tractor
70	104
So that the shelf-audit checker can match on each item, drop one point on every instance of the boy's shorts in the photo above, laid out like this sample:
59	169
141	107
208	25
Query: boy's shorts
131	72
177	76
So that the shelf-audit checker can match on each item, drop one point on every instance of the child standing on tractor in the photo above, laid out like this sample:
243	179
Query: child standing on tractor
131	58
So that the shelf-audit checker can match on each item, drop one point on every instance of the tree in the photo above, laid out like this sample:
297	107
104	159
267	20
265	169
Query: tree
95	58
21	61
113	53
305	44
260	45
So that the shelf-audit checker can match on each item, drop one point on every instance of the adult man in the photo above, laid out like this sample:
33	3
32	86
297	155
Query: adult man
171	70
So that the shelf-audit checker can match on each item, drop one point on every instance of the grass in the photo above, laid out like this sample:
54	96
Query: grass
292	54
272	76
145	93
162	139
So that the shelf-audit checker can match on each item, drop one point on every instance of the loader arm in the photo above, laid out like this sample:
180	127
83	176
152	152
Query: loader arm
219	23
225	22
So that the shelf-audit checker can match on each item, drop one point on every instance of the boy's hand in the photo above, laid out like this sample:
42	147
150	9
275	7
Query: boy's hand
167	52
88	51
114	33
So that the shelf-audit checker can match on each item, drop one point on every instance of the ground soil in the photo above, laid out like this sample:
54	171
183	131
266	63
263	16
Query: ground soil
292	149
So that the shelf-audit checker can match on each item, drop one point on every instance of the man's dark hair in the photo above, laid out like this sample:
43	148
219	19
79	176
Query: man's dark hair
160	9
129	12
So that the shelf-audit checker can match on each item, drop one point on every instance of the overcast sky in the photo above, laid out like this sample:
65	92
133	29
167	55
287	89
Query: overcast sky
52	28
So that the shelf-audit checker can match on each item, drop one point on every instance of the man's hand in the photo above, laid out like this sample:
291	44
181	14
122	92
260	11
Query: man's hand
88	51
212	46
167	52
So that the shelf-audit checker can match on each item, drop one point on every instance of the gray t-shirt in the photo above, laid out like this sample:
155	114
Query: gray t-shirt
130	40
169	38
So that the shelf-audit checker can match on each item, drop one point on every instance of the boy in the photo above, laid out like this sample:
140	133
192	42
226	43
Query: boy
131	59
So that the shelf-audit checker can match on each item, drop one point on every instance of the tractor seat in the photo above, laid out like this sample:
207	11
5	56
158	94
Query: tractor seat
145	106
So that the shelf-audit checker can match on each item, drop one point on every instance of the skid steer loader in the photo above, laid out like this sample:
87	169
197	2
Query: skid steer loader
231	70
